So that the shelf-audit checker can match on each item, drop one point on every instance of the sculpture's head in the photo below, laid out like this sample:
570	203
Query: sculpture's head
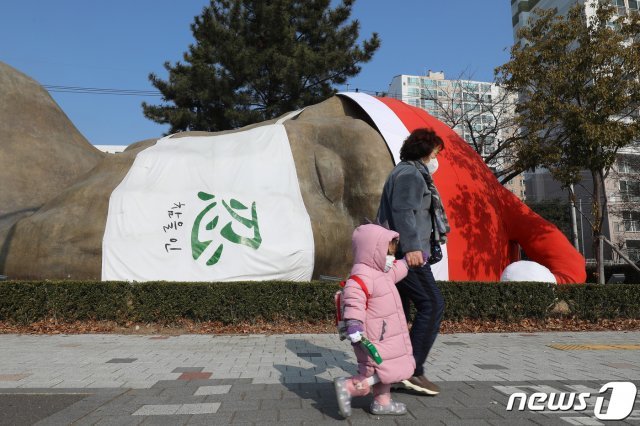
342	162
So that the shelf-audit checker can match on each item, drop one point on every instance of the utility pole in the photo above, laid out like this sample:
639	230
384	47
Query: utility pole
581	227
574	222
601	264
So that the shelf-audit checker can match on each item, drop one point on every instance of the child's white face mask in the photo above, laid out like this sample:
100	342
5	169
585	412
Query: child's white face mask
389	263
432	165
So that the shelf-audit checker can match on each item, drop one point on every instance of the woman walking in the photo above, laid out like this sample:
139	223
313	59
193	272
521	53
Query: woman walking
411	206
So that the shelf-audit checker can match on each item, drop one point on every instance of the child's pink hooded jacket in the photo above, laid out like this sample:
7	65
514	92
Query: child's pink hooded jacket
384	321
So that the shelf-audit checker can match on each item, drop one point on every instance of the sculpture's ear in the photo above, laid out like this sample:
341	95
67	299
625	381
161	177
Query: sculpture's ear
330	173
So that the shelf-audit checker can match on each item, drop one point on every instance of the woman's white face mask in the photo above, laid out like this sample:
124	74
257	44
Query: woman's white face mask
432	165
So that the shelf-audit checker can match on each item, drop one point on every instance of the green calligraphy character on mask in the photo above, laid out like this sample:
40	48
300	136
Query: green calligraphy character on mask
197	246
228	232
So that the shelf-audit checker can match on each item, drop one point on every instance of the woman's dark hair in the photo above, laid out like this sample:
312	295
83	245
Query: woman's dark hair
419	144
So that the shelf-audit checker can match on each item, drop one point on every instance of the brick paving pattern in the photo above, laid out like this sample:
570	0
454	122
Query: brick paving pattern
287	379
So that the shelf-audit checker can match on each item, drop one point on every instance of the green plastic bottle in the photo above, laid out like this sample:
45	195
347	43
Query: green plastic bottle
372	350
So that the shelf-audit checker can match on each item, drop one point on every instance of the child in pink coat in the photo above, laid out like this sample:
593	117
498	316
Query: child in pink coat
380	318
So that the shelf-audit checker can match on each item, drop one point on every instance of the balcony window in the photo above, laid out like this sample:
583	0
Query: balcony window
470	107
629	165
633	249
630	222
428	94
628	226
425	82
473	87
630	190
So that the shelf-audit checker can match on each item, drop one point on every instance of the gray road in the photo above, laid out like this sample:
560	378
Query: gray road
287	379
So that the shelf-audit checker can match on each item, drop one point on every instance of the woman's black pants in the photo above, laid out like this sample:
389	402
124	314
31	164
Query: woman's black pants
419	288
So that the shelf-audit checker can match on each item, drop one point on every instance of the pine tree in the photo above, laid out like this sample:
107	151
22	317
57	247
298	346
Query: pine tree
254	60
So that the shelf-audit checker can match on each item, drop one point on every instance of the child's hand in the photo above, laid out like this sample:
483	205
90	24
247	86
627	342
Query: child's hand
355	337
414	259
355	331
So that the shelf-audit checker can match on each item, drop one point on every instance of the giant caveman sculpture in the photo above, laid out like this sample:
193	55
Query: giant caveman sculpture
340	161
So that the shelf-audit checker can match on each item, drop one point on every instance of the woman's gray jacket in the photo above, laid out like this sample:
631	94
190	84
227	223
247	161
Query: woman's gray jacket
405	206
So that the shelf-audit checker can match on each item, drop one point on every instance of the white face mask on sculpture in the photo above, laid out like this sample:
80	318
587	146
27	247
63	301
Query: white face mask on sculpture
389	263
432	165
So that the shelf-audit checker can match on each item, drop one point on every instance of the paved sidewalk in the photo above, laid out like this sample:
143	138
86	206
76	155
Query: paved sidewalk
287	379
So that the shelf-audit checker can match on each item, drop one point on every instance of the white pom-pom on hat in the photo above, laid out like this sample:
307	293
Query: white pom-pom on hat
525	270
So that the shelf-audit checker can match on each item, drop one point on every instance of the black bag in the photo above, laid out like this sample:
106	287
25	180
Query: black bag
436	251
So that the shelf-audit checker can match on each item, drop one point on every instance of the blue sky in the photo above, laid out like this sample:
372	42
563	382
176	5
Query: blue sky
116	44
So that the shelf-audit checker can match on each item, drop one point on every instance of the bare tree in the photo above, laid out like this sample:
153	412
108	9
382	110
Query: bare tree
483	114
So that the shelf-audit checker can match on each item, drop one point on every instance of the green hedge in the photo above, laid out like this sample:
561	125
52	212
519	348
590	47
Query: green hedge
165	302
25	301
496	301
591	301
630	274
